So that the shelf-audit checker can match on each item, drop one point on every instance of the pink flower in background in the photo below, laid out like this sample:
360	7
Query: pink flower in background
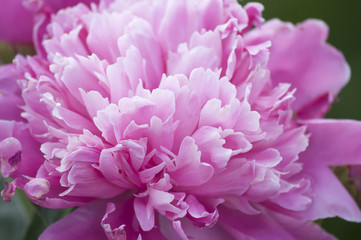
16	22
17	16
177	120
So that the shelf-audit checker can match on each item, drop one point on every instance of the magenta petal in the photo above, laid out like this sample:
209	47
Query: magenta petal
199	213
186	230
19	152
301	229
329	197
55	5
117	221
339	140
13	13
8	191
300	56
10	93
83	223
267	226
10	155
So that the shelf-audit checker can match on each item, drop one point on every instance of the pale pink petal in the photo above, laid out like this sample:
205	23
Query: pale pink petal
101	29
234	180
174	12
210	144
203	50
188	169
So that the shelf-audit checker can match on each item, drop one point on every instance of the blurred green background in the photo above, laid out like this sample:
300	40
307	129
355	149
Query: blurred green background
344	19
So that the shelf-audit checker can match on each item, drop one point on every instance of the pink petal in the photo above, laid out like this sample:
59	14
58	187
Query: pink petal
110	166
18	136
144	213
83	223
119	222
299	55
233	180
174	12
199	213
10	155
189	170
57	5
203	50
36	188
10	93
329	197
139	33
16	22
337	138
269	226
8	191
210	144
186	230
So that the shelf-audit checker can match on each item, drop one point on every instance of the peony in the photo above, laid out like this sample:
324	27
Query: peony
178	120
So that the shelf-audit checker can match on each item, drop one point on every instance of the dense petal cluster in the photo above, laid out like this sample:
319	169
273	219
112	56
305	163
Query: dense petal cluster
168	119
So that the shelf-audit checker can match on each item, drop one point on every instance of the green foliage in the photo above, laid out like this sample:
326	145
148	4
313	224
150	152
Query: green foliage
22	220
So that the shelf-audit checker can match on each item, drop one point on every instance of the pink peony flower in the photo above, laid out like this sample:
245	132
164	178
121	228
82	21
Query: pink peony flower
176	120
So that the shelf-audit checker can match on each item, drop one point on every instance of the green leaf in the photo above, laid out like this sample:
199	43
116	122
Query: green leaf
36	227
42	218
22	219
14	217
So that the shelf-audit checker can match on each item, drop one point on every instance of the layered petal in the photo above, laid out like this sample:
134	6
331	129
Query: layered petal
300	56
168	119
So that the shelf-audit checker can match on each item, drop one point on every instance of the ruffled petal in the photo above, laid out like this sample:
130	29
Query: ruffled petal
300	56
